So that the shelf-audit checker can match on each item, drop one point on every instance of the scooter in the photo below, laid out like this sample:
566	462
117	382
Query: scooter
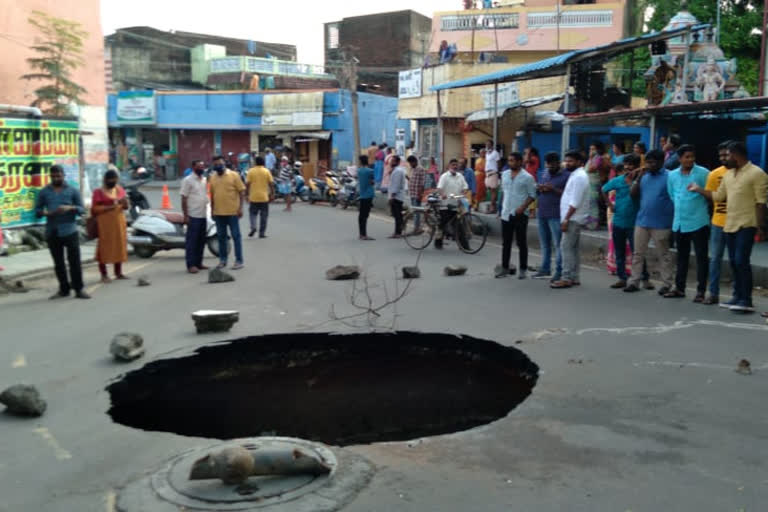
324	189
348	195
300	189
163	230
137	199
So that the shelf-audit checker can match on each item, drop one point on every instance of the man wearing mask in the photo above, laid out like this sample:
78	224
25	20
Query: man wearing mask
61	204
671	158
260	189
744	187
194	203
227	197
452	183
492	158
654	220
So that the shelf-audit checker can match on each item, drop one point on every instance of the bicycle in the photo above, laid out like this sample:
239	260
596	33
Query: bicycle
469	230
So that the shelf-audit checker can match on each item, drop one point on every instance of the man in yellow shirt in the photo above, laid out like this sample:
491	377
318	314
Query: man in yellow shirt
745	187
716	235
260	189
227	206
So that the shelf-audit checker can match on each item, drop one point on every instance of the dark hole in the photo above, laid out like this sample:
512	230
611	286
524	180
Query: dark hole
338	389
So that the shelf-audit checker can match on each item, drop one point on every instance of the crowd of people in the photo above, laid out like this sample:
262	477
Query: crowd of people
662	196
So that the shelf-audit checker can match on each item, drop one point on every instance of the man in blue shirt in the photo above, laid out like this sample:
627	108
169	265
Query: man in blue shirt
61	204
469	176
690	223
625	213
552	183
365	187
654	220
519	192
270	161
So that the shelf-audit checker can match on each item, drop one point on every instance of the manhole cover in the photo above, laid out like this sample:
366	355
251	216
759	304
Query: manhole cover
169	489
333	388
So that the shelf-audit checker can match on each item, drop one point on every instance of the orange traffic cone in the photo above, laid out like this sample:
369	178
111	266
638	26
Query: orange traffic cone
166	203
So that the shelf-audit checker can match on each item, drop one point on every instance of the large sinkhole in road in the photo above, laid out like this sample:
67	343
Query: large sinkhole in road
339	389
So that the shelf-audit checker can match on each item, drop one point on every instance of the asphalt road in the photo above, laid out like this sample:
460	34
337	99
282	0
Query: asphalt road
638	406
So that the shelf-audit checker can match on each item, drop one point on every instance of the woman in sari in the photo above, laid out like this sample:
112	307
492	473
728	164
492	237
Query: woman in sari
598	170
480	179
378	166
107	205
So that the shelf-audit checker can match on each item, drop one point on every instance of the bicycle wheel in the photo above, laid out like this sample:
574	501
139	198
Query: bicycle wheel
423	237
471	233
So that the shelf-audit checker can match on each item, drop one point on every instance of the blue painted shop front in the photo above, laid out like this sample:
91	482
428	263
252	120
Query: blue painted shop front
227	116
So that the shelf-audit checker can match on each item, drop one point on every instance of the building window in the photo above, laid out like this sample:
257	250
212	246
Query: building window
333	36
571	19
480	21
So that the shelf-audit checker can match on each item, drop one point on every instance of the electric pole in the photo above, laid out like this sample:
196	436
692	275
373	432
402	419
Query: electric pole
346	73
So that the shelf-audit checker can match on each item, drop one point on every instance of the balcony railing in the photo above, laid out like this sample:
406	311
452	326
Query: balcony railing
571	19
480	21
260	65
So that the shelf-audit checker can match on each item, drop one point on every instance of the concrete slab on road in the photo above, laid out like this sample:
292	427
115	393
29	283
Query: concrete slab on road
637	407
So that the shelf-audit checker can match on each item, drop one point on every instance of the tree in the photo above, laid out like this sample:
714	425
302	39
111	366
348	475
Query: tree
59	54
739	20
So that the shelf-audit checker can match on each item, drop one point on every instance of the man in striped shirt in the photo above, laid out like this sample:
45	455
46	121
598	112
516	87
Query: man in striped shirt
416	189
285	182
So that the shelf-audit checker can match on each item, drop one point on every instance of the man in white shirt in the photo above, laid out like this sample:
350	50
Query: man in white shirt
492	179
451	183
397	191
194	204
574	208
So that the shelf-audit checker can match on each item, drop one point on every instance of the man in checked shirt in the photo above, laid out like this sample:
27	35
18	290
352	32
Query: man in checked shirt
416	189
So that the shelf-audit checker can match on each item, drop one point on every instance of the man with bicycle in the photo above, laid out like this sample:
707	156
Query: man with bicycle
451	184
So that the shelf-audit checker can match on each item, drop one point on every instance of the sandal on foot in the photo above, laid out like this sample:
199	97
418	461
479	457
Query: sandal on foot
674	294
558	285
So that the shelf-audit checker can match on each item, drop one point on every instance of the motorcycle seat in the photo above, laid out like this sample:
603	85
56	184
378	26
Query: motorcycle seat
170	216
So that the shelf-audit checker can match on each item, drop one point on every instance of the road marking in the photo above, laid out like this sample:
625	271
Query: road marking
60	452
19	362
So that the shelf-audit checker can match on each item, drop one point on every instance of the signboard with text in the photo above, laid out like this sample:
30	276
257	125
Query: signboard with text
136	108
28	149
409	84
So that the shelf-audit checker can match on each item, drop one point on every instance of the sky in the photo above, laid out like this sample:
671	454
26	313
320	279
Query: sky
298	22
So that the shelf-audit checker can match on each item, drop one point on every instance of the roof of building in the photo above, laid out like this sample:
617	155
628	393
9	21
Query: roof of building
188	40
557	65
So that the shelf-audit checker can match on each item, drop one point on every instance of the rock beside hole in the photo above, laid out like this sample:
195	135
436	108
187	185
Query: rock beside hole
455	270
143	281
744	367
127	346
216	275
23	400
411	273
214	321
342	273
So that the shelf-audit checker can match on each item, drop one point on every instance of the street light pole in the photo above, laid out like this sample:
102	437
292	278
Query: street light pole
763	67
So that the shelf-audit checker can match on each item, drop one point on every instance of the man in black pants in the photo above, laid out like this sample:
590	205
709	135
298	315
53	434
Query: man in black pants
519	191
397	191
365	187
61	204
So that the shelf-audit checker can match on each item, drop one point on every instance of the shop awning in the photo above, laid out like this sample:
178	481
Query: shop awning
488	113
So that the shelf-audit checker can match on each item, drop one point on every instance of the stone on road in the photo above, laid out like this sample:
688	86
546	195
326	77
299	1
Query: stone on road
23	400
143	281
216	275
127	346
342	273
411	272
214	321
455	270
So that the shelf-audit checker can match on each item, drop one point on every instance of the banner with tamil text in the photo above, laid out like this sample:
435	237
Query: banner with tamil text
28	149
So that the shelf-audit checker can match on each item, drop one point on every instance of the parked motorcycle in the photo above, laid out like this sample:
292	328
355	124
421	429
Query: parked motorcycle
300	188
162	230
348	195
324	189
138	200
